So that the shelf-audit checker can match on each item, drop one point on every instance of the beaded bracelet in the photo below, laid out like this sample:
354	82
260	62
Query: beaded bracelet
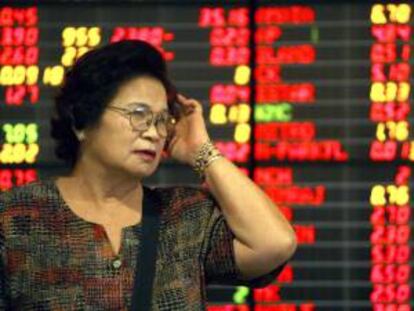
206	155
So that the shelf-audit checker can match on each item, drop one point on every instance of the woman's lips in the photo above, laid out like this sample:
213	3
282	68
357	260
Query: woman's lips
148	155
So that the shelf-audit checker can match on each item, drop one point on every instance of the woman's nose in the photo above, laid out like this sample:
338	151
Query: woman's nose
152	132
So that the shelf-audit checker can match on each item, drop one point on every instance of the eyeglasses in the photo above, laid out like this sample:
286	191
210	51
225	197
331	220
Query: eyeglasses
141	117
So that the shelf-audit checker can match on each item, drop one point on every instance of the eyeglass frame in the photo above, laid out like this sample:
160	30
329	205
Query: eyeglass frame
128	114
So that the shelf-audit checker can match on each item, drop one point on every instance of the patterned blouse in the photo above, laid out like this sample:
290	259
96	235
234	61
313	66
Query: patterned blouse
51	259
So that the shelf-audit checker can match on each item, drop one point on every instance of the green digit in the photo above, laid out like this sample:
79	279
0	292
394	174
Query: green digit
8	129
31	133
241	294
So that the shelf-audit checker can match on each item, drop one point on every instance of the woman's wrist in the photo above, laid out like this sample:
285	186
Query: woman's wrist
206	154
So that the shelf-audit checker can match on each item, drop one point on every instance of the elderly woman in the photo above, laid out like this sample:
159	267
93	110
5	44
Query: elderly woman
71	242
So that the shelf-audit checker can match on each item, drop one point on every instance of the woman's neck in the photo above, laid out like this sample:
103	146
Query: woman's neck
102	186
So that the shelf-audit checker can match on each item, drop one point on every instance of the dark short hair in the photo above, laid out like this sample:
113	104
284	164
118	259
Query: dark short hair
92	82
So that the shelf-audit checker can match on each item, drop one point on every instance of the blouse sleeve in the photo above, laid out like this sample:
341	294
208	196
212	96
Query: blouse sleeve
220	266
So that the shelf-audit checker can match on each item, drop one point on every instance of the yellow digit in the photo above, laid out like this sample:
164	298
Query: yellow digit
6	75
68	56
6	154
391	91
81	36
32	153
377	93
19	75
218	114
19	153
242	75
404	89
377	195
380	134
403	195
377	14
82	50
32	75
402	131
233	113
57	75
68	36
242	133
244	113
94	35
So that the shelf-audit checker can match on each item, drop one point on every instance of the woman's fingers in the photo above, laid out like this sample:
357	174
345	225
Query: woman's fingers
188	101
181	97
189	105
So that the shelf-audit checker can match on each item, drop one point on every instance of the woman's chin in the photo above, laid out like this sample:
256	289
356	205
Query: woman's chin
142	171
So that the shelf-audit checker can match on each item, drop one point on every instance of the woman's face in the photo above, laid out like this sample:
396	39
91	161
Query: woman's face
114	144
